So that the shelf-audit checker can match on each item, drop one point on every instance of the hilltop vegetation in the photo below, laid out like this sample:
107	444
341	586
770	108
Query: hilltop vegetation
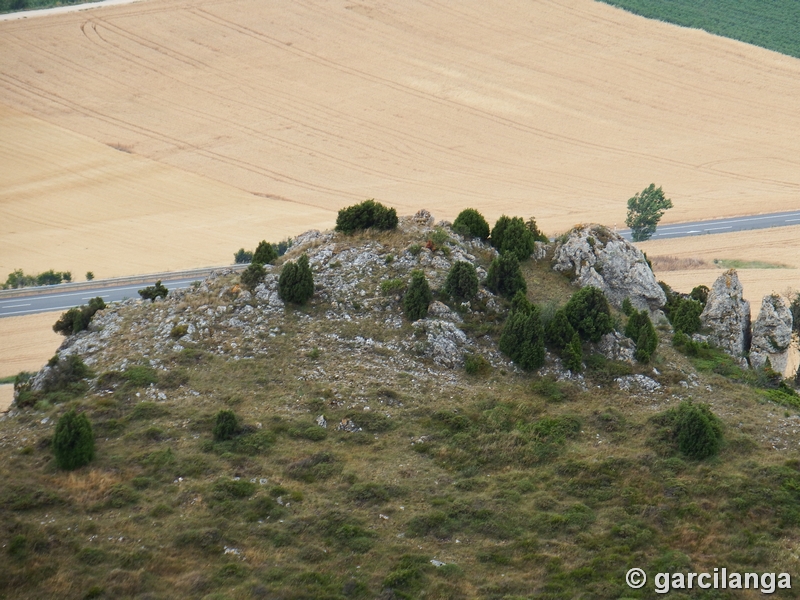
771	25
247	448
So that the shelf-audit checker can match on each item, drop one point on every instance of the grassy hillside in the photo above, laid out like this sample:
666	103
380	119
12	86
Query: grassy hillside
771	25
522	485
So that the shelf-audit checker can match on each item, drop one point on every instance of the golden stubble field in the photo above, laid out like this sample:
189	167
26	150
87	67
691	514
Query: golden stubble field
241	120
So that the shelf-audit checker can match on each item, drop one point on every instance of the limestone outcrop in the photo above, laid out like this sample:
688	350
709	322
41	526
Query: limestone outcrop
727	316
772	334
596	256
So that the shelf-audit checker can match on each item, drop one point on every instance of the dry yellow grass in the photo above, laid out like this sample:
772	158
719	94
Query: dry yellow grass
27	343
556	109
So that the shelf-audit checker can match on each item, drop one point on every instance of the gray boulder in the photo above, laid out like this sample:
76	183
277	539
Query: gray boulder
596	256
772	334
727	315
615	346
445	342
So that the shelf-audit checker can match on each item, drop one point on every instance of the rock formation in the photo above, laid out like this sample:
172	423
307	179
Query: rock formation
599	257
727	316
772	334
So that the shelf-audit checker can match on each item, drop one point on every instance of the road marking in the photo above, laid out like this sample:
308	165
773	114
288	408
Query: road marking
34	310
106	289
93	297
18	305
788	220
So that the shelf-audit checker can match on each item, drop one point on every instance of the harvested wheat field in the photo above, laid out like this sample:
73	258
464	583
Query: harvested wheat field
27	342
694	257
257	112
73	204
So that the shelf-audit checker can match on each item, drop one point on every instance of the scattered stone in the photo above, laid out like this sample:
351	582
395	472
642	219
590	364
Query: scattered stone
446	343
637	383
348	425
320	420
437	563
440	310
423	217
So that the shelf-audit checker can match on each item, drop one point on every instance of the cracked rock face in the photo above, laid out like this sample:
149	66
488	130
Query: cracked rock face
615	346
772	334
598	257
727	315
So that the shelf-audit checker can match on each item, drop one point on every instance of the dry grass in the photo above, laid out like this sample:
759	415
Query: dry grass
87	487
249	120
673	263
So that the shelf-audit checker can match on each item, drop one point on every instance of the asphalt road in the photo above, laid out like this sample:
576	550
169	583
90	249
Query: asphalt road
52	300
722	225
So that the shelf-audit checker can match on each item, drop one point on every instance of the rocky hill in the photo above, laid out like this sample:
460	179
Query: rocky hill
376	457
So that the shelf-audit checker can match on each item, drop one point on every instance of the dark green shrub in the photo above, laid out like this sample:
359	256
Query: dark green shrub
589	314
695	430
253	275
470	222
226	426
296	283
462	281
685	316
700	293
505	277
511	235
794	307
367	215
89	275
154	291
265	253
73	441
242	256
559	332
627	307
522	339
573	354
140	375
640	329
78	318
418	297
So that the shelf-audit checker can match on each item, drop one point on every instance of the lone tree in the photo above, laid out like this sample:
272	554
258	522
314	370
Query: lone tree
645	210
505	277
265	253
296	283
226	426
462	281
470	222
418	297
640	329
73	441
151	292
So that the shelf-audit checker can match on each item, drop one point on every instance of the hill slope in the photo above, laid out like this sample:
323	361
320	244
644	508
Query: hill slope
424	482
